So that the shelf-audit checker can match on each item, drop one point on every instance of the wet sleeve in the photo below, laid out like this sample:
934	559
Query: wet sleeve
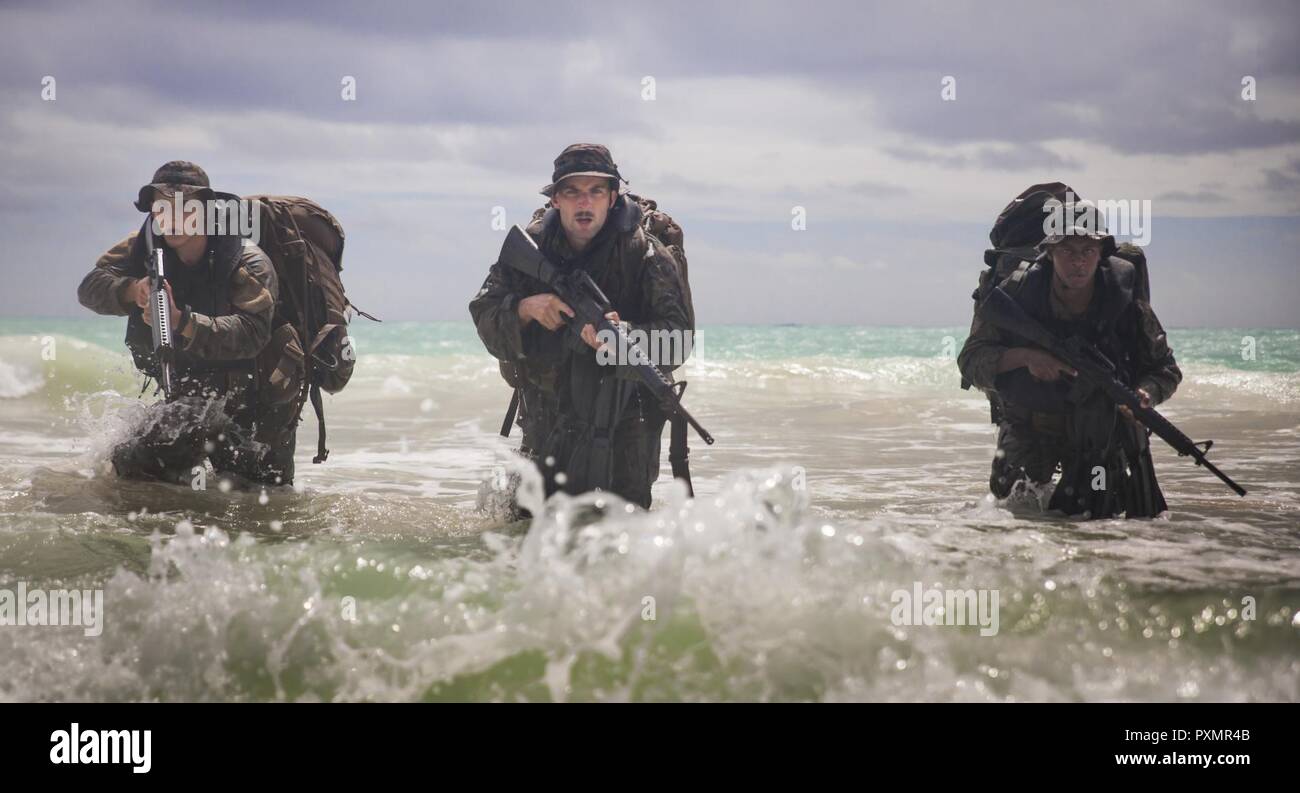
495	313
669	326
1158	372
979	356
103	289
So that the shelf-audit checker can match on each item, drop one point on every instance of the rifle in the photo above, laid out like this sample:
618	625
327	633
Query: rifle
1095	368
576	288
164	347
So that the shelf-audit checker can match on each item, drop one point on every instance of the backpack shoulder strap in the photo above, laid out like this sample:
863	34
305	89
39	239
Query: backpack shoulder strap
1014	282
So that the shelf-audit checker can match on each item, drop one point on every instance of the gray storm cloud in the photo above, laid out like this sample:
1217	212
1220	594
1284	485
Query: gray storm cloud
835	107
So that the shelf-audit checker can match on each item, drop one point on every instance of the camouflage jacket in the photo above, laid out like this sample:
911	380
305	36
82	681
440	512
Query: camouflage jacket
634	270
232	293
1137	333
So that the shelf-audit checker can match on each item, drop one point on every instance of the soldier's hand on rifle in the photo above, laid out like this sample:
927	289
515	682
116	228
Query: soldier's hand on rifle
1045	366
138	292
171	303
589	332
547	309
1146	403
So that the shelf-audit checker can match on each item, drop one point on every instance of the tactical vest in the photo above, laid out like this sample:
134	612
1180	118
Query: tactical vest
205	288
592	401
584	404
1106	325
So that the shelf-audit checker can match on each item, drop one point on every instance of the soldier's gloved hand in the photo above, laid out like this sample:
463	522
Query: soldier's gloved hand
547	309
1146	403
589	331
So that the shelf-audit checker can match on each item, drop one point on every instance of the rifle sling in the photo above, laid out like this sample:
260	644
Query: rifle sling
679	452
510	414
321	452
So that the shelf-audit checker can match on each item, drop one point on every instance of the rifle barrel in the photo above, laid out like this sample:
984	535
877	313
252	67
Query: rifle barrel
1000	309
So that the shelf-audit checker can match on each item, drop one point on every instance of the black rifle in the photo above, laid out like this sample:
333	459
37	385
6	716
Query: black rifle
1001	310
576	288
164	347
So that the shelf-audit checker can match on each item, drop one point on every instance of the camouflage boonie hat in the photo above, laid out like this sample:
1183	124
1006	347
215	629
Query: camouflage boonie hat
177	175
1094	231
1108	246
582	159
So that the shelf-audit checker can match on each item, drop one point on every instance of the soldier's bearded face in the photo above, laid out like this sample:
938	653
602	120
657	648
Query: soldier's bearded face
584	203
164	212
1075	261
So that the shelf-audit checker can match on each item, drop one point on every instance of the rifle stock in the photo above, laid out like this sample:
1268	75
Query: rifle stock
1001	310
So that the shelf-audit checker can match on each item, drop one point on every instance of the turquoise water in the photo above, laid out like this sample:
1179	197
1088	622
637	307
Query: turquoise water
1274	350
849	466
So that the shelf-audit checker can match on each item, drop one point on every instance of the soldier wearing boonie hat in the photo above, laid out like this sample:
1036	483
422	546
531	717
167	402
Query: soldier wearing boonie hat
584	426
223	291
1048	418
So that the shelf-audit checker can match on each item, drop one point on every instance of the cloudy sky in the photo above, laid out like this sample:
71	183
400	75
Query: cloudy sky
836	107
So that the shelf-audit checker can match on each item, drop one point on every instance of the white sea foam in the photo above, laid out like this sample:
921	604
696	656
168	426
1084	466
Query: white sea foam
390	572
17	380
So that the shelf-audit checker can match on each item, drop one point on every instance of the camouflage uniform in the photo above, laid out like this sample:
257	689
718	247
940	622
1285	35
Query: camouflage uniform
220	408
1049	425
570	405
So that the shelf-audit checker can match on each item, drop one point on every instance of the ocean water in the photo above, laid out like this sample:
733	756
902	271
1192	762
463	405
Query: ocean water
849	468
